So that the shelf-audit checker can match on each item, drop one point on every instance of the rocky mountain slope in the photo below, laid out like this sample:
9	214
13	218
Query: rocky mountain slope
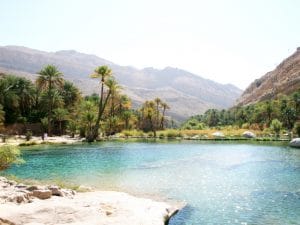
186	93
285	79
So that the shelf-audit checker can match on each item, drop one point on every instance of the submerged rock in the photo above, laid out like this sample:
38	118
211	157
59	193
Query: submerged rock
249	134
295	143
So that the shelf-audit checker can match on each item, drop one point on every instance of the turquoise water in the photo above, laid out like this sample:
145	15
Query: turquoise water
231	183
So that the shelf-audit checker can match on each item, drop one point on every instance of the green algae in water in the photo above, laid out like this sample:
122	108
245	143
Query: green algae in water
223	183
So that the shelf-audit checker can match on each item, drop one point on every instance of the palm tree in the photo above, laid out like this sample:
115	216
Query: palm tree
113	88
102	72
2	115
49	79
60	115
26	92
157	102
165	106
126	115
70	94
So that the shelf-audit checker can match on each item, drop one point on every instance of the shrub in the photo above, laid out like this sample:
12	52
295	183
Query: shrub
172	133
276	126
9	155
246	126
297	128
28	135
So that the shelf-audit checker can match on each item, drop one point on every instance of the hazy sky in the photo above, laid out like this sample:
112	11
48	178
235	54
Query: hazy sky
229	41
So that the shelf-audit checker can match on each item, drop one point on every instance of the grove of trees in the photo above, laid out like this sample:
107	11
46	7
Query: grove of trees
59	107
280	113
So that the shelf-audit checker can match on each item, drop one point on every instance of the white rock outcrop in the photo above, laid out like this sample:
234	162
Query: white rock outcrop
295	143
89	208
218	134
249	134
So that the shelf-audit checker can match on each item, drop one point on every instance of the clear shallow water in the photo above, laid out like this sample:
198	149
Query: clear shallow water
223	183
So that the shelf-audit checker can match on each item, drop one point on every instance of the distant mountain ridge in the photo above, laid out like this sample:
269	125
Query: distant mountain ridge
186	93
284	79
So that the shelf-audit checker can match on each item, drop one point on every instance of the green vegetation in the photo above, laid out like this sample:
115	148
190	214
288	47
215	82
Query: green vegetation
276	126
58	107
9	155
280	114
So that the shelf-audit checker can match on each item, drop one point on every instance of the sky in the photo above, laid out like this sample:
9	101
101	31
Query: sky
228	41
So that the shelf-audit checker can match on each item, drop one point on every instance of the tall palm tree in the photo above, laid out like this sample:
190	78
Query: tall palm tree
165	106
113	88
49	79
102	72
157	102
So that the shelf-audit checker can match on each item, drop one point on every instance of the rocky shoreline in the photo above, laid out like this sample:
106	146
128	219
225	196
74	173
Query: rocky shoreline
41	205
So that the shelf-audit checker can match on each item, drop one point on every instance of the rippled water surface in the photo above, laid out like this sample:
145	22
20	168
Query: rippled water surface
231	183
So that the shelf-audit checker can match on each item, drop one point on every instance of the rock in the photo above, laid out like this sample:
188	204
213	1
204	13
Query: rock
19	197
56	191
21	186
11	182
295	143
32	188
249	134
3	179
218	134
42	194
6	222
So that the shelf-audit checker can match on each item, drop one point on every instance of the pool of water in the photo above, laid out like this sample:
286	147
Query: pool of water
222	183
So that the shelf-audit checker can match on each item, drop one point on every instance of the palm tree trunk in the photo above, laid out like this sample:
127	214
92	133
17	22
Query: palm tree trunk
60	130
163	119
50	107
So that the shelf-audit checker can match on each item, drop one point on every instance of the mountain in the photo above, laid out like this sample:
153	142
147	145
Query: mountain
186	93
284	79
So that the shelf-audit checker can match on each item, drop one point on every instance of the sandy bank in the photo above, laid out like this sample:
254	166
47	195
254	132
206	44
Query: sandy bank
90	208
21	140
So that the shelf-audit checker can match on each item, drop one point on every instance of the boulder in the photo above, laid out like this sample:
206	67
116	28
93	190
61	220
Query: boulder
42	194
32	188
218	134
56	190
249	134
19	197
295	143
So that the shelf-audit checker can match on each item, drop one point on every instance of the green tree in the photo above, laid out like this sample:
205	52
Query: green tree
276	126
127	115
17	97
102	72
44	124
72	127
50	78
2	115
60	115
158	102
70	94
288	113
165	107
297	128
114	88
